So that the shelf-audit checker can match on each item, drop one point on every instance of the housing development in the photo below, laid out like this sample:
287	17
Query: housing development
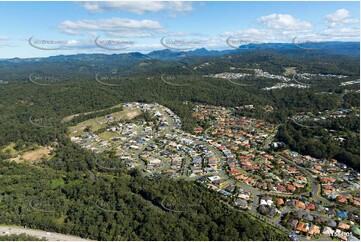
232	155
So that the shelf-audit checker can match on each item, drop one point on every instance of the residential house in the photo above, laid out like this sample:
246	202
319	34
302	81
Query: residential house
300	204
328	231
308	217
342	214
311	207
343	225
314	230
241	203
291	188
302	227
331	223
280	201
292	223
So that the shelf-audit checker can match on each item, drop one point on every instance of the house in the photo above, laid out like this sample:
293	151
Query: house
266	201
342	214
243	196
355	230
353	217
230	188
327	231
300	204
318	219
262	185
214	178
341	199
328	180
302	227
331	223
280	188
272	212
202	179
311	207
298	214
263	209
292	223
249	181
314	230
308	217
225	193
292	169
290	202
298	185
291	188
340	234
198	130
280	201
241	203
344	226
330	211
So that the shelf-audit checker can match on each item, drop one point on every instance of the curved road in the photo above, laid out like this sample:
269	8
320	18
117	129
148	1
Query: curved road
11	229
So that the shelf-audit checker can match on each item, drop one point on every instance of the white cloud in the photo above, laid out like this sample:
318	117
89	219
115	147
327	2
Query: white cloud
113	27
344	33
252	35
138	7
285	22
340	17
3	38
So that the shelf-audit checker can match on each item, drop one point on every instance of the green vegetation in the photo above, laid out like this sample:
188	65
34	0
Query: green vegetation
68	193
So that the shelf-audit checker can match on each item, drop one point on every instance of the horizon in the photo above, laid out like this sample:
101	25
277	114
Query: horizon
69	28
172	50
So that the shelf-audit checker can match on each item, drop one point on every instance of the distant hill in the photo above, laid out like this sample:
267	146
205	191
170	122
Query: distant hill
87	65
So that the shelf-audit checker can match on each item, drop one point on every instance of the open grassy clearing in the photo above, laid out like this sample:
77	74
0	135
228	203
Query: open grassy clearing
32	156
101	122
70	117
290	71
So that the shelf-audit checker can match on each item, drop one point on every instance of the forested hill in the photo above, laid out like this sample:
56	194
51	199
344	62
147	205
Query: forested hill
127	64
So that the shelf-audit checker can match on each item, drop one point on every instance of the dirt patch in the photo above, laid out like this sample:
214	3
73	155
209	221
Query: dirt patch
34	155
132	114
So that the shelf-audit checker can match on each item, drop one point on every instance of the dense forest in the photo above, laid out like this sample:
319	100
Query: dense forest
71	194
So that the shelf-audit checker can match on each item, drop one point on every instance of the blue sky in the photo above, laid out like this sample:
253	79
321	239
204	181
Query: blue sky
72	27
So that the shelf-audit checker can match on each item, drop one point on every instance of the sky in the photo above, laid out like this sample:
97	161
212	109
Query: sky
40	29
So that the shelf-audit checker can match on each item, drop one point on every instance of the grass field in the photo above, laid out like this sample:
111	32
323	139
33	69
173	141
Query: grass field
290	71
101	122
32	156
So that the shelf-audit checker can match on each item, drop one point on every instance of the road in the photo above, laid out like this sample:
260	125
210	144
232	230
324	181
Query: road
10	229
